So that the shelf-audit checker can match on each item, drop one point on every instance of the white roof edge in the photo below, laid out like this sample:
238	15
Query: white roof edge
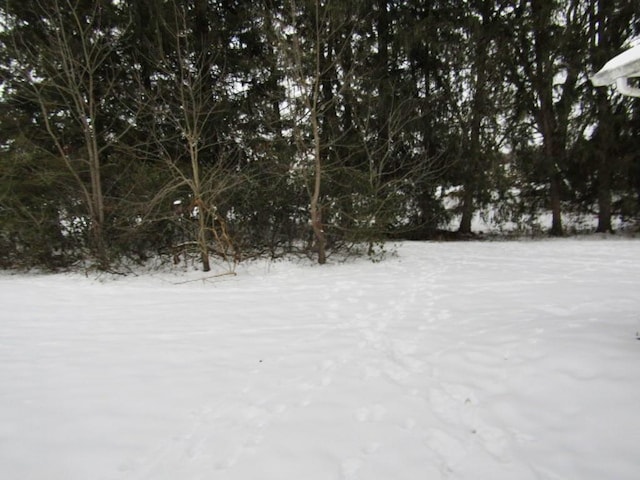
625	65
622	85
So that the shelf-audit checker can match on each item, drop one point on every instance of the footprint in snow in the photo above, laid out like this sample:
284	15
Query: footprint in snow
350	468
327	365
448	448
326	381
253	441
373	413
409	424
371	448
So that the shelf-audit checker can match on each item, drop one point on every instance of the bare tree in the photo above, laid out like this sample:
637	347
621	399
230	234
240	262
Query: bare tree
383	179
68	74
313	37
362	163
183	106
306	75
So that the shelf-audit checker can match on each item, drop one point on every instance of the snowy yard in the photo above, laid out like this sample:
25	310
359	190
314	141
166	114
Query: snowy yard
496	360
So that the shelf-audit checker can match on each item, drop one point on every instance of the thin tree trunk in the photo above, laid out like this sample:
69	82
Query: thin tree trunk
604	197
603	27
315	207
550	125
556	205
467	208
472	176
316	211
197	192
202	239
97	197
604	139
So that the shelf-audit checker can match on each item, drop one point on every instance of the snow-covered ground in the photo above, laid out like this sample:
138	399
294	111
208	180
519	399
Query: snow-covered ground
496	360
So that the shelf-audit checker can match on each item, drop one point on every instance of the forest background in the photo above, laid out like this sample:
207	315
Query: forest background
132	129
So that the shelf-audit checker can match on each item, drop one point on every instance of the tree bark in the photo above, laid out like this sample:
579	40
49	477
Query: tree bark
604	197
604	138
315	207
479	111
467	209
556	205
549	124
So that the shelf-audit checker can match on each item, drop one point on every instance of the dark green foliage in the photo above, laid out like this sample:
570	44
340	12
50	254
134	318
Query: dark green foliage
169	128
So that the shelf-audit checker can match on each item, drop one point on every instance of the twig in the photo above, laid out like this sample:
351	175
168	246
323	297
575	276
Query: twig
206	278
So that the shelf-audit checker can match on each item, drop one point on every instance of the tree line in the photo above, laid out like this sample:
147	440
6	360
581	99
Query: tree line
238	128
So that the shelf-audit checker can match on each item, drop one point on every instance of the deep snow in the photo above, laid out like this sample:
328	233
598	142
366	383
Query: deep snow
496	360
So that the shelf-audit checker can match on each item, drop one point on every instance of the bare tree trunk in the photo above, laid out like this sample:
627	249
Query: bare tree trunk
554	113
604	138
605	29
467	208
556	205
76	52
311	90
316	209
202	240
196	188
553	154
192	110
95	171
479	106
604	196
